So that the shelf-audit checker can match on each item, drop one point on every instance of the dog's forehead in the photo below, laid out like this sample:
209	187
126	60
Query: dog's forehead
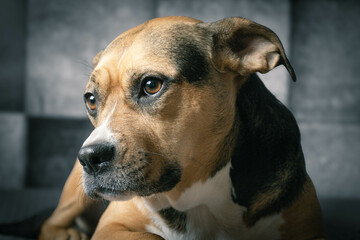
155	35
172	46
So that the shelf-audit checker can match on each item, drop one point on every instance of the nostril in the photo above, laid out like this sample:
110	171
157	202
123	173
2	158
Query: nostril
96	160
82	162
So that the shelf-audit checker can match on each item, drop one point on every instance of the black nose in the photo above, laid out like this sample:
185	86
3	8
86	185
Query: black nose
92	157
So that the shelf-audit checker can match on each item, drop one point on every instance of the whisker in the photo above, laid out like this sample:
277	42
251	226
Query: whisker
85	64
148	163
154	153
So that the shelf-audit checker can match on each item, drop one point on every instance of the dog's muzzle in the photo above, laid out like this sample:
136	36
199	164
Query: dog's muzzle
111	174
94	157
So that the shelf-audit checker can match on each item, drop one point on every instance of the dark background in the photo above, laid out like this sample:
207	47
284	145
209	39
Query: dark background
46	48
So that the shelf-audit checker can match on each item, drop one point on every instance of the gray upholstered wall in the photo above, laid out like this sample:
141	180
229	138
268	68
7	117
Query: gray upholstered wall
12	93
46	47
326	99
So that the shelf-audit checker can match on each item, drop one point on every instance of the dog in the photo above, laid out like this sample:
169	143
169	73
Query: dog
188	142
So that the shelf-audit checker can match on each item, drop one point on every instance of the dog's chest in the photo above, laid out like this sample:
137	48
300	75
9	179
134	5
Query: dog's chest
206	211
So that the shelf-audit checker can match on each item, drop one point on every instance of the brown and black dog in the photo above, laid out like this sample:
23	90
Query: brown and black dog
188	142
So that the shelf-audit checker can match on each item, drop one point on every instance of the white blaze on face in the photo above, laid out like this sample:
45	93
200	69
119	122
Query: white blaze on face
102	133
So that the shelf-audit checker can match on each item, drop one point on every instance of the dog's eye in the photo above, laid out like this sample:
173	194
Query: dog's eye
90	101
152	85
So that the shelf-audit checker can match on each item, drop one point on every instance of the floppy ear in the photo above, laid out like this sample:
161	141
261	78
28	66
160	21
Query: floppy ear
96	59
245	47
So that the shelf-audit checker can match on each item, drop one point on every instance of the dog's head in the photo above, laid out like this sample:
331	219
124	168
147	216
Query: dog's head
162	100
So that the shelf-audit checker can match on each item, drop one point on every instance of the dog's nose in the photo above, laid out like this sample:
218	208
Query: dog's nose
92	157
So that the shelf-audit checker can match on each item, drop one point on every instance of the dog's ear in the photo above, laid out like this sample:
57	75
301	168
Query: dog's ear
245	47
96	59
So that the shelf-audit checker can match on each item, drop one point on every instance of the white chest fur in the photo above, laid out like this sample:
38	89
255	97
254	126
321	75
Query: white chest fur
210	213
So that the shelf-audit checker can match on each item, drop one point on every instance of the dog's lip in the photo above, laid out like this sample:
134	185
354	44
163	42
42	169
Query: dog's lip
113	195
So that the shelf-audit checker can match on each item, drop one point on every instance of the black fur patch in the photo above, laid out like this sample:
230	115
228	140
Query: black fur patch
268	144
170	176
174	219
189	54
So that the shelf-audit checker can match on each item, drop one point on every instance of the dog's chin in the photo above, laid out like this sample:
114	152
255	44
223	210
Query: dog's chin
111	196
95	191
107	193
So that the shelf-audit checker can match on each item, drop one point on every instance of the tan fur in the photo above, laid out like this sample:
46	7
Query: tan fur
303	218
193	130
73	203
124	220
264	199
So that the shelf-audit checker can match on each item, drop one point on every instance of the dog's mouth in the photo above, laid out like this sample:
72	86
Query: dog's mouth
112	184
116	183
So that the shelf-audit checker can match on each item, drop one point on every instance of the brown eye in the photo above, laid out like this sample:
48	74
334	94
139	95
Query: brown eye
90	101
152	86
